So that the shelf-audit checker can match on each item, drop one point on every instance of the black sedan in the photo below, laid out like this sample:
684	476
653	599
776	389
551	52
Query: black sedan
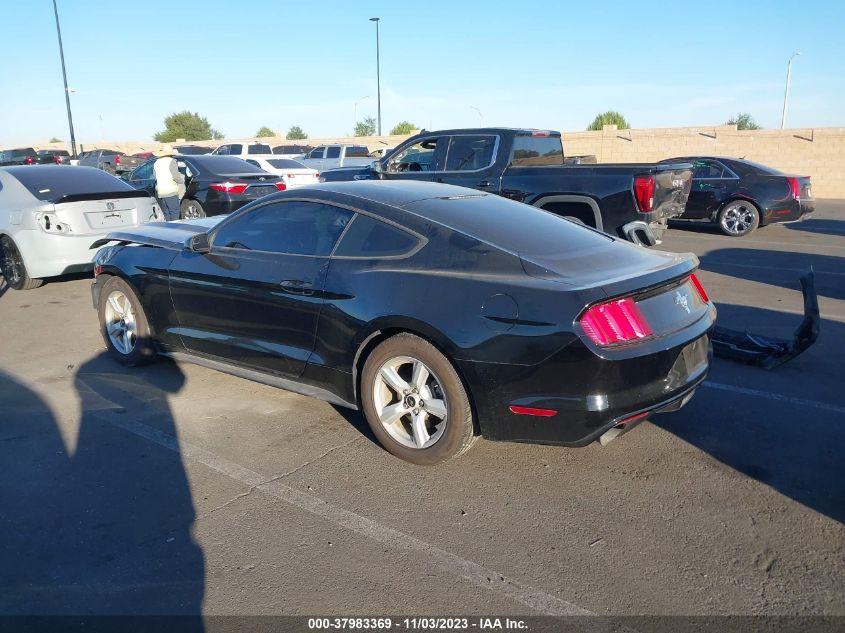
214	185
443	312
740	195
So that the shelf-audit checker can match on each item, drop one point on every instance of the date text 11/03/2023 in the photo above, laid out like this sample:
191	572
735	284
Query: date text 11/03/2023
417	624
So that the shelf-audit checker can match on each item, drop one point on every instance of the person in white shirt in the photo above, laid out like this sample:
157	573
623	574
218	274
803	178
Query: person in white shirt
170	183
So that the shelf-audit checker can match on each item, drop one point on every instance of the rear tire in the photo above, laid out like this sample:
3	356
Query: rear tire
124	325
738	218
415	402
13	268
191	210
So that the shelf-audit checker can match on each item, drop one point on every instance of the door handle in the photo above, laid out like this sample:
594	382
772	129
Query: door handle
297	286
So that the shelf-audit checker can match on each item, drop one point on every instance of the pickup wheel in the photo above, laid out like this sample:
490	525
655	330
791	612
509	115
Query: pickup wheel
191	209
738	218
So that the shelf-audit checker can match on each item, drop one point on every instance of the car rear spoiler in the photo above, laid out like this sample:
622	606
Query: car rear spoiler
770	353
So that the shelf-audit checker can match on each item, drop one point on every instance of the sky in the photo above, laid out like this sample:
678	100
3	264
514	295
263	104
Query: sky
551	65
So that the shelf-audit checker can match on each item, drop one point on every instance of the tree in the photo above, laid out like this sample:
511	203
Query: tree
295	133
55	140
367	127
611	117
743	121
405	127
265	131
187	125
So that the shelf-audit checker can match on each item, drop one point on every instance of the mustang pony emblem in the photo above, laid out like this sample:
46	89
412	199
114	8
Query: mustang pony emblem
682	301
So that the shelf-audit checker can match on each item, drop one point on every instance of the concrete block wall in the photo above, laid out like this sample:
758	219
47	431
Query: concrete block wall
815	152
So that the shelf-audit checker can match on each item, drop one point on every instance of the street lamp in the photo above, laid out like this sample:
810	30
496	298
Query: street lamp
786	92
64	77
378	75
356	107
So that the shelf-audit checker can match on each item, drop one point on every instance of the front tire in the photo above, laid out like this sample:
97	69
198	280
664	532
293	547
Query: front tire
124	325
191	209
415	402
738	218
13	268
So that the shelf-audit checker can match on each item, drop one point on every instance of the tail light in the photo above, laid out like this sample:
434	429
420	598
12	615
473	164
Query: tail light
794	187
57	159
644	192
27	160
281	186
229	187
699	288
317	175
117	160
614	322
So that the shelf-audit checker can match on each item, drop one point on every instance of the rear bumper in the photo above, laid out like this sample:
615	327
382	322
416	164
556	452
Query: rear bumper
792	211
48	255
589	394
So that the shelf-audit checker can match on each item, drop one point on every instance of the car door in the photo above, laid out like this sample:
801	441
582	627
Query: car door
142	177
710	183
469	161
314	159
254	298
419	161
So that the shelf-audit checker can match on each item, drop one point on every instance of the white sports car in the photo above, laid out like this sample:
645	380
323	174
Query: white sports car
51	214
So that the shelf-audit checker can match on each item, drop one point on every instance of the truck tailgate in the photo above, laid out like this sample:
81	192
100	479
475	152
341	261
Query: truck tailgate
672	183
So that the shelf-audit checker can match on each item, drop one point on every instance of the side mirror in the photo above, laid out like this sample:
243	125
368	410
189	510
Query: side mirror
376	167
199	243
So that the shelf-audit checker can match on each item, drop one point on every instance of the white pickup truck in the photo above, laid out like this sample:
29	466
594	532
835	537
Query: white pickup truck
245	150
332	156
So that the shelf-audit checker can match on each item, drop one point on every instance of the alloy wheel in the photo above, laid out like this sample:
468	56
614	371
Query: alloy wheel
738	218
12	263
410	402
120	322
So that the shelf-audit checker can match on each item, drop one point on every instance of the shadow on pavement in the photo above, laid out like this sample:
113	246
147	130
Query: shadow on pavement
779	268
102	528
826	227
794	448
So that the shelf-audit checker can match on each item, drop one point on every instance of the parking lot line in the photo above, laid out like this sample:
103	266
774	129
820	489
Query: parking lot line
721	238
531	597
776	396
797	270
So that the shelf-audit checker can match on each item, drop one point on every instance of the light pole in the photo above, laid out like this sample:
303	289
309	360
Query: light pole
356	107
64	77
786	92
480	117
378	75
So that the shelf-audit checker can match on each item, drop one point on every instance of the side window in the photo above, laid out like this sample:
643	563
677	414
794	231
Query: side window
357	151
469	153
223	150
294	228
235	148
317	152
421	156
143	172
333	151
368	237
706	169
252	161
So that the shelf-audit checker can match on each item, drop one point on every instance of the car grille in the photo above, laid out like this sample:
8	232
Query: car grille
257	191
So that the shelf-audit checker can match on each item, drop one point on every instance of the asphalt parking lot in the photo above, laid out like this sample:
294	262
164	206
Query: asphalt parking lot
174	489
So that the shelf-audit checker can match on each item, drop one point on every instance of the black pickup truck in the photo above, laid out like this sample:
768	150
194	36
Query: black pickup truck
24	156
632	201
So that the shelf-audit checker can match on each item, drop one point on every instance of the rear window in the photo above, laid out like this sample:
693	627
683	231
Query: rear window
259	148
15	153
224	165
291	149
536	150
52	183
357	151
368	237
285	163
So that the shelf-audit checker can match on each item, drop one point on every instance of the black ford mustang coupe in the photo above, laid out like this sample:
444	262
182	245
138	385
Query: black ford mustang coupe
443	312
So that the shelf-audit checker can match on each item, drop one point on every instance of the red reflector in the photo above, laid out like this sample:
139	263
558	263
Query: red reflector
542	413
614	322
281	186
794	187
317	175
699	288
229	187
632	418
117	160
644	192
